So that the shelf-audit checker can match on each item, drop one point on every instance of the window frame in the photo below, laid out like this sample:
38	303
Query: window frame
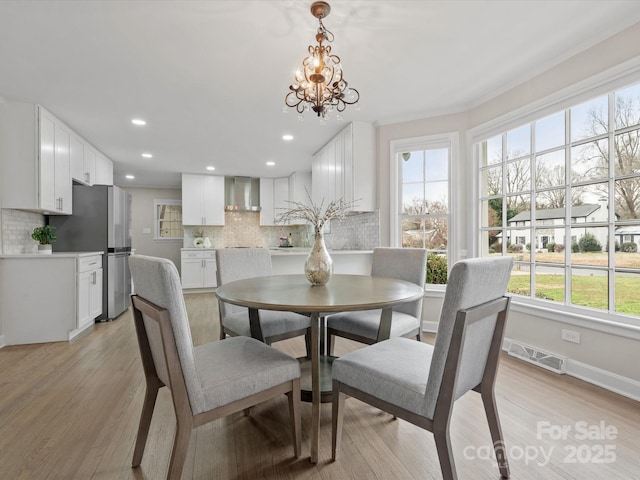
156	230
611	80
448	140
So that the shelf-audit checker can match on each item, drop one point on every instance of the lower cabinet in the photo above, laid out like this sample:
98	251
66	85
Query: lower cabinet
198	268
49	298
89	290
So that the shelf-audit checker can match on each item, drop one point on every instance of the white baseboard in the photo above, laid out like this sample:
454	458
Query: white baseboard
2	344
431	327
613	382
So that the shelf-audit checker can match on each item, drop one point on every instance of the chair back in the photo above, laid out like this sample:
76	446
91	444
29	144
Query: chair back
473	312
157	281
239	263
409	264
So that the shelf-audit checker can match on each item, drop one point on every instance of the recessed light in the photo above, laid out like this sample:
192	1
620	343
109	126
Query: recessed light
211	168
271	164
147	155
130	177
287	137
138	121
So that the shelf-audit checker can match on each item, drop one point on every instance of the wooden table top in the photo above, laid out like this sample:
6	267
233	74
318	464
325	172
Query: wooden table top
343	293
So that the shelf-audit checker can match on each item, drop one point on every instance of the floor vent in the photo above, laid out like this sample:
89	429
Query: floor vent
538	357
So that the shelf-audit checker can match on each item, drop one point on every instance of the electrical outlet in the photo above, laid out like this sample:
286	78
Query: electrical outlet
570	336
146	230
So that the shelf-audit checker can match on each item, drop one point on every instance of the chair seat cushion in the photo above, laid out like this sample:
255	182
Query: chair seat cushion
366	323
395	370
238	367
272	322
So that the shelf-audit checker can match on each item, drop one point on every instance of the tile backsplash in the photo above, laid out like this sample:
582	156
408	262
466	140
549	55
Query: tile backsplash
242	229
17	226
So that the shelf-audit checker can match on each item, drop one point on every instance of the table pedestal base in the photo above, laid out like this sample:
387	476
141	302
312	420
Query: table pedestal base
326	385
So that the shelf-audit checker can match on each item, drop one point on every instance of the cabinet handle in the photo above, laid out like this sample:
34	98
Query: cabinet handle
61	204
94	277
87	177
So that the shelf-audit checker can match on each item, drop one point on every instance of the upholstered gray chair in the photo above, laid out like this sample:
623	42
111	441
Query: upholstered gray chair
418	382
237	264
408	264
206	382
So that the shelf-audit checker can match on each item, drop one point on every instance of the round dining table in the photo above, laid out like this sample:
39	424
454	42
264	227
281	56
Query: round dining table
294	293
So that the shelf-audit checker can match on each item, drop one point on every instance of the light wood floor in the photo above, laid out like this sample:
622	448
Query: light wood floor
70	411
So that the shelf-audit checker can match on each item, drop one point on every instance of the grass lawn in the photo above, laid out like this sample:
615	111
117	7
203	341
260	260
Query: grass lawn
587	290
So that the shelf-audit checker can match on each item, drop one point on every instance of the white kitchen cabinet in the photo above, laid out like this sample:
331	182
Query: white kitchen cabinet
346	168
83	160
49	298
104	170
277	193
202	200
300	187
198	268
34	159
280	195
267	212
89	300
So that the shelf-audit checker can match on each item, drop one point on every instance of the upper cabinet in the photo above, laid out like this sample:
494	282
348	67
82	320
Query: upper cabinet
346	168
83	161
39	157
202	200
34	159
277	193
104	170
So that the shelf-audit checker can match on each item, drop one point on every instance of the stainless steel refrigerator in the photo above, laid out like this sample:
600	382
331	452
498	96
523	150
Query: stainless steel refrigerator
101	221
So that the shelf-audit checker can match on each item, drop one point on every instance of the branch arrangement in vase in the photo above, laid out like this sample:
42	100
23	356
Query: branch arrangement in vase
314	214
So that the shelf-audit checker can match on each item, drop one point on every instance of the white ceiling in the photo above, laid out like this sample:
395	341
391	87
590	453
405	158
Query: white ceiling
210	76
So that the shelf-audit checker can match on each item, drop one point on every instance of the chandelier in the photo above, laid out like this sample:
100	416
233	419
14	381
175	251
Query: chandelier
320	85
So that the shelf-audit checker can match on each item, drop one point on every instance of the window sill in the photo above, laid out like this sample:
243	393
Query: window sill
605	322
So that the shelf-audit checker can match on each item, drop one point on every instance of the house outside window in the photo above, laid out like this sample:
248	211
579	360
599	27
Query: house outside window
168	219
421	203
572	174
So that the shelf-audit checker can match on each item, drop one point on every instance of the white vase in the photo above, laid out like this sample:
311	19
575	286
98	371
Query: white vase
319	266
46	249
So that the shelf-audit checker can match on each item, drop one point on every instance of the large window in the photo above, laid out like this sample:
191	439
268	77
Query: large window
561	195
168	219
421	216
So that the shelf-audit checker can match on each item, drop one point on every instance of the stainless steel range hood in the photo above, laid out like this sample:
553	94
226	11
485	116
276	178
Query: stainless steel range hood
242	194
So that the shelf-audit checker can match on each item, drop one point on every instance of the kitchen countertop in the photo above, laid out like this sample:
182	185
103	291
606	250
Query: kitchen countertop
287	250
306	250
52	255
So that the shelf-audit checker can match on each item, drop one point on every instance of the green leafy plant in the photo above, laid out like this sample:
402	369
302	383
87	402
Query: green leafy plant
44	235
589	243
436	269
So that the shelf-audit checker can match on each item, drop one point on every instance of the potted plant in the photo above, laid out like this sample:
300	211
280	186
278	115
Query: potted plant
45	237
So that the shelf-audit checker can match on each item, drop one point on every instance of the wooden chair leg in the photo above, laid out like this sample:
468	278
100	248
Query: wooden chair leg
337	420
296	423
148	405
307	344
330	342
491	410
179	451
445	453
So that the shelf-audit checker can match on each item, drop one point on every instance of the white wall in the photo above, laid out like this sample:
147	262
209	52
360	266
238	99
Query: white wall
616	354
142	217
